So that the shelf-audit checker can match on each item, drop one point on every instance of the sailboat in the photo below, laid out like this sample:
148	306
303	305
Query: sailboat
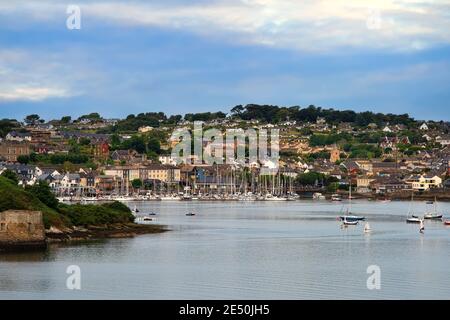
433	215
412	218
348	217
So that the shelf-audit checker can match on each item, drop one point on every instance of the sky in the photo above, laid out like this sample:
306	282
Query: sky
184	56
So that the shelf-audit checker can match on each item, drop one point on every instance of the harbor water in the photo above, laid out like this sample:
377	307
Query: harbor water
248	250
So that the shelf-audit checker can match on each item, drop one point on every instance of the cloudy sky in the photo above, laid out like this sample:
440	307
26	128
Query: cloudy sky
181	56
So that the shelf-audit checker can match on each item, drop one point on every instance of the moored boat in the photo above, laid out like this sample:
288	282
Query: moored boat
431	216
352	218
434	215
348	217
447	222
413	220
318	196
345	222
336	197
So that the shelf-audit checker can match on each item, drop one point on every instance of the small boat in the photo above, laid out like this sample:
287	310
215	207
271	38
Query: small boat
190	214
430	202
135	210
433	215
349	223
147	219
447	222
152	214
318	196
367	228
413	220
410	218
336	197
352	218
348	217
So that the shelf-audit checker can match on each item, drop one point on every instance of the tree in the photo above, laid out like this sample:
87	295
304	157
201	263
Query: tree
92	116
68	166
154	145
43	192
115	141
136	183
310	178
85	141
237	110
66	119
23	159
32	119
11	175
6	125
135	142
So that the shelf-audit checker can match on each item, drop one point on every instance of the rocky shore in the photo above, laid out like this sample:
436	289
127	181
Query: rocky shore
74	234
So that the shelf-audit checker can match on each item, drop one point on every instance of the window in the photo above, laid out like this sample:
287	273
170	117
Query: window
2	226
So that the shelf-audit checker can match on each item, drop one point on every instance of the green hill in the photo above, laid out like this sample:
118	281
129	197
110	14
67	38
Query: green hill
40	198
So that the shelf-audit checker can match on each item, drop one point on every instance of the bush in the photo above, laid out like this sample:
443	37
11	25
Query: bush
10	175
43	192
85	215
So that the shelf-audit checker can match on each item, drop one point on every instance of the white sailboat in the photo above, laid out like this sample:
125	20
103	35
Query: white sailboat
348	217
434	215
410	218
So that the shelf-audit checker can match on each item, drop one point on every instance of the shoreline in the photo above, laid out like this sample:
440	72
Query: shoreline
82	234
79	235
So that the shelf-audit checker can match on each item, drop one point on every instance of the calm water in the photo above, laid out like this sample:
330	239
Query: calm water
254	250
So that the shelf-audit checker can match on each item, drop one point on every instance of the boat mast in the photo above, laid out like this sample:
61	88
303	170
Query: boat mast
350	195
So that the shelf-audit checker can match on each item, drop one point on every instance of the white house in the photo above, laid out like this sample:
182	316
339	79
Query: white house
444	140
52	172
71	180
424	127
387	129
18	136
424	182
